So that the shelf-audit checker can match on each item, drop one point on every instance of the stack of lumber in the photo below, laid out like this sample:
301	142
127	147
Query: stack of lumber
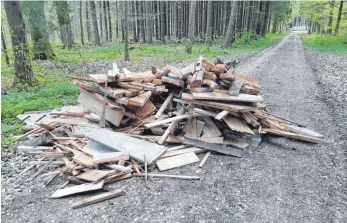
129	120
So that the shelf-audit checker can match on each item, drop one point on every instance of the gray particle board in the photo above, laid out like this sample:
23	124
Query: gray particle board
124	143
177	161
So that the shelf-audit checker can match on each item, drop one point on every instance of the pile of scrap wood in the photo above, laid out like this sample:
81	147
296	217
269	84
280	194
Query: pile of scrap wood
127	121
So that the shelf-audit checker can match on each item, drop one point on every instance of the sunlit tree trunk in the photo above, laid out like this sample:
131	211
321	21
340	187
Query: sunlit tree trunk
95	23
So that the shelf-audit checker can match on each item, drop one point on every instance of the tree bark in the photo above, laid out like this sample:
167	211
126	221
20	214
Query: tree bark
126	53
95	23
35	12
149	21
88	23
209	22
266	18
101	33
22	65
105	21
156	20
4	48
81	23
331	14
230	33
109	21
191	28
338	18
62	9
162	21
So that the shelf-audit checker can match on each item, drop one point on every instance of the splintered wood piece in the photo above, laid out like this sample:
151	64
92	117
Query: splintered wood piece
236	143
167	101
211	126
94	175
140	100
146	110
203	161
188	70
220	68
225	97
172	127
162	122
205	112
157	81
295	136
98	198
144	76
212	139
98	78
174	81
227	76
199	89
237	125
175	71
207	65
182	151
177	161
222	114
161	73
250	90
211	83
181	177
245	78
78	189
235	87
198	76
110	157
213	147
91	102
209	75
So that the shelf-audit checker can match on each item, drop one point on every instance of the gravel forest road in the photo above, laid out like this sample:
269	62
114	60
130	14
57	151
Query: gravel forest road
281	180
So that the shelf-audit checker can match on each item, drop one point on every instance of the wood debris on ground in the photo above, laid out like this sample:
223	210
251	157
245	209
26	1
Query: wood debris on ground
162	117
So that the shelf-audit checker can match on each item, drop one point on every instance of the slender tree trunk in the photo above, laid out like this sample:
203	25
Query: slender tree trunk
109	21
105	20
4	48
35	12
88	23
156	20
230	33
209	22
331	15
338	18
62	9
95	23
266	17
126	53
149	21
162	21
191	29
22	65
117	21
101	33
81	23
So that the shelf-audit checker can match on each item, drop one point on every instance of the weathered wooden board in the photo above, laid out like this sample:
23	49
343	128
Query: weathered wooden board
211	126
91	102
213	147
140	100
237	125
225	97
221	115
295	136
212	139
98	198
177	161
124	143
94	175
77	189
182	151
235	87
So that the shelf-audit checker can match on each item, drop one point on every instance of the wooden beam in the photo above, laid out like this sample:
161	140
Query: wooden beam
98	198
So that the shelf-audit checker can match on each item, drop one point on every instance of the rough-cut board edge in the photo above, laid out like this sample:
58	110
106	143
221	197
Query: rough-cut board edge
295	136
225	97
98	198
77	189
237	125
173	161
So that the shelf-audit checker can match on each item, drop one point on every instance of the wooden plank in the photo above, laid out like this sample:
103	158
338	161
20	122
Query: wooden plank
212	127
167	101
221	115
94	175
140	100
248	79
98	78
212	139
146	110
197	78
175	71
235	87
143	76
213	147
210	83
181	177
124	143
98	198
177	161
164	121
203	161
174	81
236	143
78	189
295	136
182	151
237	125
110	157
95	105
188	70
225	97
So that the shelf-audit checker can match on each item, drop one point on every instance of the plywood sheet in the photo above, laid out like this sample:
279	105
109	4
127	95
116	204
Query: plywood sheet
237	125
177	161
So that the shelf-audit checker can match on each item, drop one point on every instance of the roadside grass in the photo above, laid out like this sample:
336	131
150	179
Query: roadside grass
18	102
52	89
326	43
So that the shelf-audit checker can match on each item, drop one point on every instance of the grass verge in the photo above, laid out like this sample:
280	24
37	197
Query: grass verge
326	43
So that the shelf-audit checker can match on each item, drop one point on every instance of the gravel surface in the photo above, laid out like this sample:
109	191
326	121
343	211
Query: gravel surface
281	180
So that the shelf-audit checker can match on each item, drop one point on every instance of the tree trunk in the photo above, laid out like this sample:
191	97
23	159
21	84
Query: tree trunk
338	18
81	23
35	12
109	21
4	48
230	33
126	53
62	9
95	23
101	33
149	21
209	22
88	23
22	66
266	18
156	20
117	21
331	15
162	21
105	21
191	28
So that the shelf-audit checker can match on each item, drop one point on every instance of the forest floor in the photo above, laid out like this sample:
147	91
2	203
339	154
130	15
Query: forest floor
281	180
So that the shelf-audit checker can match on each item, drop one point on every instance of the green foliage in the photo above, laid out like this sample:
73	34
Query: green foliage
326	43
17	102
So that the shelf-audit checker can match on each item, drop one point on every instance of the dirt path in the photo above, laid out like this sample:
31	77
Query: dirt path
279	181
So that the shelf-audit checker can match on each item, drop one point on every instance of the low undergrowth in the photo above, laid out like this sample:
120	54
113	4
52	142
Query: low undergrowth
326	43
